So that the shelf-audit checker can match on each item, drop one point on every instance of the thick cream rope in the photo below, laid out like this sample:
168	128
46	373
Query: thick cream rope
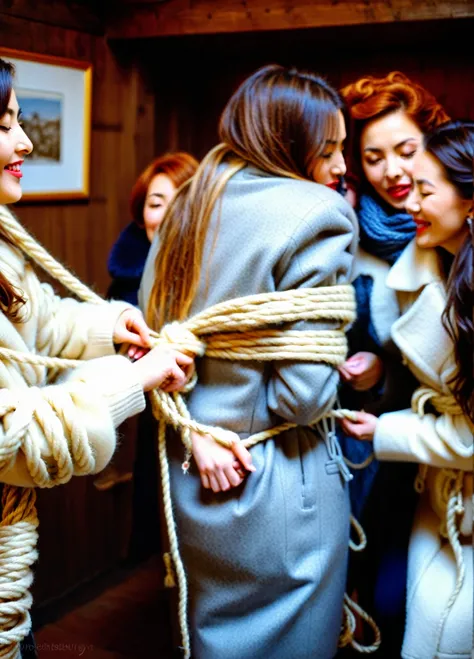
18	528
451	492
238	329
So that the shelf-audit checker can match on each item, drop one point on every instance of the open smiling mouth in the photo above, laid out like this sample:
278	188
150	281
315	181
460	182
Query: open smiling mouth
14	169
399	191
421	226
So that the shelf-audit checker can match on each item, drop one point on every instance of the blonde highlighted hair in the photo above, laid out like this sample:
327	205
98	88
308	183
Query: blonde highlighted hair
279	120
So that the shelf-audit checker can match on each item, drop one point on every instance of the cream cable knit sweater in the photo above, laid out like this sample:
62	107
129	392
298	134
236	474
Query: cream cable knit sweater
103	392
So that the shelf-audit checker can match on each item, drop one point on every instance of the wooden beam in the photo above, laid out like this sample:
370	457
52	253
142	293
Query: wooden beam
133	19
80	15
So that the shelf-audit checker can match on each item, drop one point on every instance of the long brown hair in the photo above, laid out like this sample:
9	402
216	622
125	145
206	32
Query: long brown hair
453	146
278	120
11	299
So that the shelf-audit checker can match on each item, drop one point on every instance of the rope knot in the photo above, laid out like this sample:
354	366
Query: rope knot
180	337
442	402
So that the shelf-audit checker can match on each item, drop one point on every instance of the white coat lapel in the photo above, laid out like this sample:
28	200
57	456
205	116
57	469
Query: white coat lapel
419	332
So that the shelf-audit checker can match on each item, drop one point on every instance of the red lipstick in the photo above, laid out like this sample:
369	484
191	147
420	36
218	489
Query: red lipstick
14	172
421	226
399	191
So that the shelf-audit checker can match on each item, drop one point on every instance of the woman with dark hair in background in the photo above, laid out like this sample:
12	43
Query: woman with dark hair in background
263	534
149	199
433	279
388	117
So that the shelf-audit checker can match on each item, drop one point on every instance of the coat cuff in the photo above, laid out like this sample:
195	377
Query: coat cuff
392	437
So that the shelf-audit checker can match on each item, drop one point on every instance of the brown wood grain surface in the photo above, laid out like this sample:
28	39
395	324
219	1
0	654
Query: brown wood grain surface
82	15
179	17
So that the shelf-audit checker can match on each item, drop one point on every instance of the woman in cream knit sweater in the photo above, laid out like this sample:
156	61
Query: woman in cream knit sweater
94	398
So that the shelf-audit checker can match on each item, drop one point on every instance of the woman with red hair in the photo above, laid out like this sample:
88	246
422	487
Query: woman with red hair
151	195
149	200
388	117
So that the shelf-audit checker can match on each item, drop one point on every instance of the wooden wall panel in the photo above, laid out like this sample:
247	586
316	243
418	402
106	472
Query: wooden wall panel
132	19
81	15
188	79
194	76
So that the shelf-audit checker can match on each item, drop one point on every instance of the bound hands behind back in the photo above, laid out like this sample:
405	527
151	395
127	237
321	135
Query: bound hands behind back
220	468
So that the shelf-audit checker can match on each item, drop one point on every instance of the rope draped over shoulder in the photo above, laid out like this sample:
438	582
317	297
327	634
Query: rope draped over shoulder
246	328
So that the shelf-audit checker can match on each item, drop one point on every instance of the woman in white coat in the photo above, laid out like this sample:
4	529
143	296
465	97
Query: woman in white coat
433	281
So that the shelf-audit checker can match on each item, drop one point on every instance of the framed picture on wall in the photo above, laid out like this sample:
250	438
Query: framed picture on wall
54	95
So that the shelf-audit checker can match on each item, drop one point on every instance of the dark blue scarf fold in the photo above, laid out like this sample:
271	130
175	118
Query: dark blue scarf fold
128	255
126	263
384	232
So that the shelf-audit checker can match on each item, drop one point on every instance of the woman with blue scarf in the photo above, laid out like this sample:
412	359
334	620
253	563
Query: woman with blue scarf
149	199
389	116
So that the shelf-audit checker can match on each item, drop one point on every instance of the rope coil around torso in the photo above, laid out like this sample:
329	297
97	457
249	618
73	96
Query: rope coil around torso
451	482
237	330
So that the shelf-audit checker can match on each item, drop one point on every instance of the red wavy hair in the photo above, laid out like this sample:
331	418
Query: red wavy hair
179	167
370	98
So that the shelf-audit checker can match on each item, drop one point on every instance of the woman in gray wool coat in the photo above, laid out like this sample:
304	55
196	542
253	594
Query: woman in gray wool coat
263	536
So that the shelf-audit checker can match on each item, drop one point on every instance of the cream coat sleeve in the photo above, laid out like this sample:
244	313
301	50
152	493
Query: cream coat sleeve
68	328
444	441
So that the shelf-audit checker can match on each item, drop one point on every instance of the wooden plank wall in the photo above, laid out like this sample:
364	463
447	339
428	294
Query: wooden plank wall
84	532
194	76
151	18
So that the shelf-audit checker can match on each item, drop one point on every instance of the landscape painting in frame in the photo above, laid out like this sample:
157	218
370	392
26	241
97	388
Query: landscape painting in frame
54	96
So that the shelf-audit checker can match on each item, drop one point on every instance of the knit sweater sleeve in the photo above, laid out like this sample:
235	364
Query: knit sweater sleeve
49	434
64	327
444	441
320	253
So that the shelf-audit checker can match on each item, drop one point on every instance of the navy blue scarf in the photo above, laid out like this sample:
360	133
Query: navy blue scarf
384	232
126	263
128	255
